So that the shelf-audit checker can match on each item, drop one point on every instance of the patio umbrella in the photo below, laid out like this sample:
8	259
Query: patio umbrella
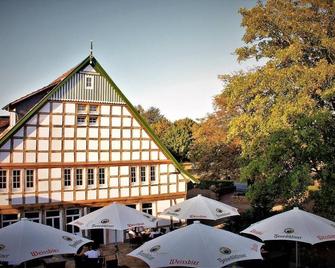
116	217
201	208
26	240
197	245
295	225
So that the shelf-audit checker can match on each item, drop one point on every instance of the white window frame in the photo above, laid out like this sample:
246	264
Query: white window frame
16	185
29	178
3	179
91	84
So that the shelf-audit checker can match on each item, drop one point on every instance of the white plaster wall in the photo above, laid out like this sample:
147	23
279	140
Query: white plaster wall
43	132
31	157
116	110
136	133
114	193
126	122
30	144
116	156
181	186
69	120
116	121
162	156
135	155
154	189
70	108
103	193
116	145
144	190
56	145
93	156
136	144
126	156
43	145
32	121
104	121
44	119
57	120
80	195
81	132
56	197
31	132
163	168
81	144
144	134
42	157
162	205
154	155
114	171
153	145
104	144
145	156
163	179
17	199
93	132
56	173
164	189
135	191
68	196
4	200
126	111
4	157
135	123
104	109
57	132
43	173
124	171
124	181
124	192
114	182
18	144
43	198
17	157
172	188
6	146
68	132
145	144
126	145
56	157
173	178
57	107
104	156
68	145
91	194
81	157
45	108
19	133
56	185
104	133
93	145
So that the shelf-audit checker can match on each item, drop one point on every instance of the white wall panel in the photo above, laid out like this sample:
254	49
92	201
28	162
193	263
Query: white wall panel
153	145
17	199
32	121
164	189
30	144
4	200
43	173
136	144
31	157
42	157
104	133
57	132
124	181
162	205
172	188
104	121
17	157
104	109
43	198
173	178
135	191
56	145
114	182
68	196
6	146
126	145
163	178
162	156
126	111
69	120
114	171
57	107
145	155
154	155
68	132
116	156
116	121
19	133
116	133
43	132
116	110
116	145
56	173
44	119
126	156
104	144
104	156
70	108
81	144
81	157
144	134
4	157
93	133
56	197
145	144
103	193
93	145
80	195
154	189
181	186
124	192
68	145
91	194
127	122
68	157
135	155
114	193
93	156
57	120
56	157
144	190
81	132
56	185
31	132
124	171
18	144
43	145
45	108
135	123
136	133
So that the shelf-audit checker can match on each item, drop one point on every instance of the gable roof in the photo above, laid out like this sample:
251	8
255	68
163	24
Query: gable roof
56	84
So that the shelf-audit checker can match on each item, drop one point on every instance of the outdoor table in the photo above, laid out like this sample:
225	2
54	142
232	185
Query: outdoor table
54	262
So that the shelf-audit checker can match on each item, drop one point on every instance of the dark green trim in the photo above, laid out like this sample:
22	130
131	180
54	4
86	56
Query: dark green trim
99	69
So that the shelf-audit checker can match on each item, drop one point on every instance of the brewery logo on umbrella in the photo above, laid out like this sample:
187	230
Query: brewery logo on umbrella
67	238
2	246
225	250
104	221
155	248
288	230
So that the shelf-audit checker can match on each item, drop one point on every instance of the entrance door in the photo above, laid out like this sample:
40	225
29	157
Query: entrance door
97	235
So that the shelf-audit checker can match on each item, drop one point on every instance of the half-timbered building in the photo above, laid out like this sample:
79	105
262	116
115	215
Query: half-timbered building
79	144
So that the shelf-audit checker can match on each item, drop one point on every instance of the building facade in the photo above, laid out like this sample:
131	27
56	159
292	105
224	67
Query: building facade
78	144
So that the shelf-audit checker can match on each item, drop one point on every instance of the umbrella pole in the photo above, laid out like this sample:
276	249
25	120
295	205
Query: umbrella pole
296	254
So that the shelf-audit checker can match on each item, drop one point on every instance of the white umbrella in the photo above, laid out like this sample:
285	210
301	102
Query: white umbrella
116	217
295	225
197	245
26	240
201	208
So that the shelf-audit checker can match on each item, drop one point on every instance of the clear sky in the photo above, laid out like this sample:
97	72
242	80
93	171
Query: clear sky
161	53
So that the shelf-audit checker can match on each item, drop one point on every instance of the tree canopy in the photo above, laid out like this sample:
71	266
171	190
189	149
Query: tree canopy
282	113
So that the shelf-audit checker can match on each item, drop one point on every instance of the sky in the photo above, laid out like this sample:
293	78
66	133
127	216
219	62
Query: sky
161	53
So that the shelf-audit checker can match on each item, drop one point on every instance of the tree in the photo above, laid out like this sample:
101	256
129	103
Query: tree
282	113
152	115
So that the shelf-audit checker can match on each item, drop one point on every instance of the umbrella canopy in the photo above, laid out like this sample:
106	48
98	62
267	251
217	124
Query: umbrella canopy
201	208
294	225
115	216
26	240
197	245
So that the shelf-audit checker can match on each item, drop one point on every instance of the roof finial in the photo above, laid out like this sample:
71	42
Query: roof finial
91	52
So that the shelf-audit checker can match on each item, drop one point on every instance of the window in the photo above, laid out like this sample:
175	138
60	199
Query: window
90	176
142	171
89	82
9	219
147	208
29	178
3	179
52	218
67	177
71	215
133	174
81	120
16	179
152	173
81	108
93	120
33	216
79	177
93	108
101	174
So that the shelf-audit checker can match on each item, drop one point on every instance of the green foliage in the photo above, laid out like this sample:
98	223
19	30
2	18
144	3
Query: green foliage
282	114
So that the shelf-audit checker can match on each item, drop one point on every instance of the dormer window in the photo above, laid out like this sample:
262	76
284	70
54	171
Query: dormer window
81	108
93	108
89	82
